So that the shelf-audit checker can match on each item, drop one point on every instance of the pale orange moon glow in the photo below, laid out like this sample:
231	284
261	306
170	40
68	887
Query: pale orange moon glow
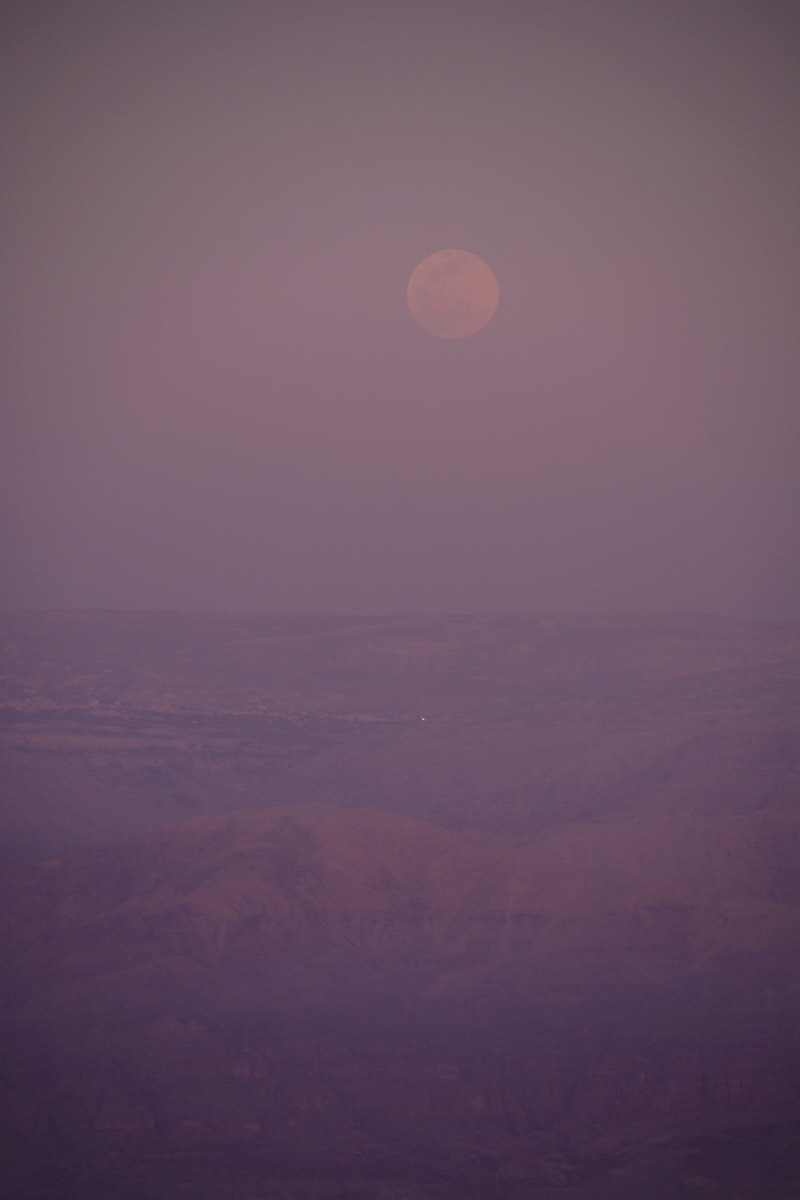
452	294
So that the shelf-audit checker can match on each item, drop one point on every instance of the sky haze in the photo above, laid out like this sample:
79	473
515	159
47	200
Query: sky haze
216	398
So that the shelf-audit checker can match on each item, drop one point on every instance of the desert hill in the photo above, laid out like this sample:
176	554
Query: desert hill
465	908
465	1017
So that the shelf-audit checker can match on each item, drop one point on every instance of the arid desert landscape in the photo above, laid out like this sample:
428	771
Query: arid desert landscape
399	639
459	908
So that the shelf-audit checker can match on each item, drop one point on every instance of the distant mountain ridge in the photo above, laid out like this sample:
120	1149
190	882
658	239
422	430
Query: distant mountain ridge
115	722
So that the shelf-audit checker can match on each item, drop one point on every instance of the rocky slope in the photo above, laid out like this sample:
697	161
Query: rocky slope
307	995
540	944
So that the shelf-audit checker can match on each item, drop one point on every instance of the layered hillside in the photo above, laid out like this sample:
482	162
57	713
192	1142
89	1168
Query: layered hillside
542	943
293	998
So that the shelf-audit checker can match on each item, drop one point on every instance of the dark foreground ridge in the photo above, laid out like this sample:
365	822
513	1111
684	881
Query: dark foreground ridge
541	944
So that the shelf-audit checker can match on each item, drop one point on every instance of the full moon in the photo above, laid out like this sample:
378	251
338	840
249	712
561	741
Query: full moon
452	294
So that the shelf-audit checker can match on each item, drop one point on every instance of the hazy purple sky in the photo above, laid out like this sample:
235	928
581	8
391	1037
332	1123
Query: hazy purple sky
214	394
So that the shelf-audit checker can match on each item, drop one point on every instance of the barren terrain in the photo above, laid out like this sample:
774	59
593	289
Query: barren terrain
493	908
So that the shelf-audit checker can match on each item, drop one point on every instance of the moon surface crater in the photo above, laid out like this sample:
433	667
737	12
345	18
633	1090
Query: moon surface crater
452	294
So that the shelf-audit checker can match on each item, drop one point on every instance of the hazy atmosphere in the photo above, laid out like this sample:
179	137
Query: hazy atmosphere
399	655
216	397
